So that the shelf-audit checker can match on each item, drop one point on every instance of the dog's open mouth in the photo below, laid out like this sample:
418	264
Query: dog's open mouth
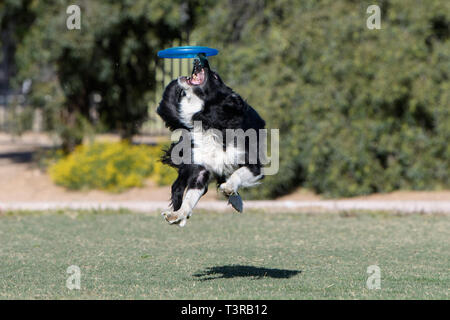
197	77
198	74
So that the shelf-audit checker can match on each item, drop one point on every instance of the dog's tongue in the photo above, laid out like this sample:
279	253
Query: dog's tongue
197	78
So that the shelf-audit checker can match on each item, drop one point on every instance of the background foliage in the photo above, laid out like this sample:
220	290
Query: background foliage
109	64
359	110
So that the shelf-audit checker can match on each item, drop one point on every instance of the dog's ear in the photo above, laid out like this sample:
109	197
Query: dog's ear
215	75
168	107
234	101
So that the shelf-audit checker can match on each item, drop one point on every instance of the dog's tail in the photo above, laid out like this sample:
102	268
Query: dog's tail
166	157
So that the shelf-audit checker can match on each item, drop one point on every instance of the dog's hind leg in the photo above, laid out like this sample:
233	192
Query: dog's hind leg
246	176
178	188
197	186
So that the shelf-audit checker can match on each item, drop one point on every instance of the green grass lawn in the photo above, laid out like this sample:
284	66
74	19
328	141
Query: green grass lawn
224	256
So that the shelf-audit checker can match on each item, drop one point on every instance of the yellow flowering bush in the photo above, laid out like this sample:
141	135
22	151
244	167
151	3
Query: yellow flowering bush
112	166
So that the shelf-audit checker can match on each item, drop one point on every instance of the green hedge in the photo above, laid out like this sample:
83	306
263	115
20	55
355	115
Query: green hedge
359	110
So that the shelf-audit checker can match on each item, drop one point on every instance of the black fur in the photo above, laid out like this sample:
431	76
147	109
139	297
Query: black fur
223	109
168	108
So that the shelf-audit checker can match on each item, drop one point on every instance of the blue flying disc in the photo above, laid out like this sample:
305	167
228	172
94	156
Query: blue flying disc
186	52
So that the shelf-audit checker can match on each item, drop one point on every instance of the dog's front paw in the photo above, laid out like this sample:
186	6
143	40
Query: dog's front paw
227	189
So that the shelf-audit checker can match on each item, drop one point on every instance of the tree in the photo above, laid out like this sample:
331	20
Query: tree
109	63
15	19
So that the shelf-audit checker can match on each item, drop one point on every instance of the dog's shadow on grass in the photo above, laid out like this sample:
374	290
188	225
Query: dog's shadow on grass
239	271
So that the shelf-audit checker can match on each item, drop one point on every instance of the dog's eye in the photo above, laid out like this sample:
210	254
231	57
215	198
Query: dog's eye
181	94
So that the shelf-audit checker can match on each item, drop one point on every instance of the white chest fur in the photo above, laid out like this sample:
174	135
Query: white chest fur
208	152
189	105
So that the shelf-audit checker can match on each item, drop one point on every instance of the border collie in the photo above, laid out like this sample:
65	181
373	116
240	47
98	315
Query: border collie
204	99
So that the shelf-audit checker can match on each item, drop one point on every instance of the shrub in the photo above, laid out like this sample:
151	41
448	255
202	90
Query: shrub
111	166
359	110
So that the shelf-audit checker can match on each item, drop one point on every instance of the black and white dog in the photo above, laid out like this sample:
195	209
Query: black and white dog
204	99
